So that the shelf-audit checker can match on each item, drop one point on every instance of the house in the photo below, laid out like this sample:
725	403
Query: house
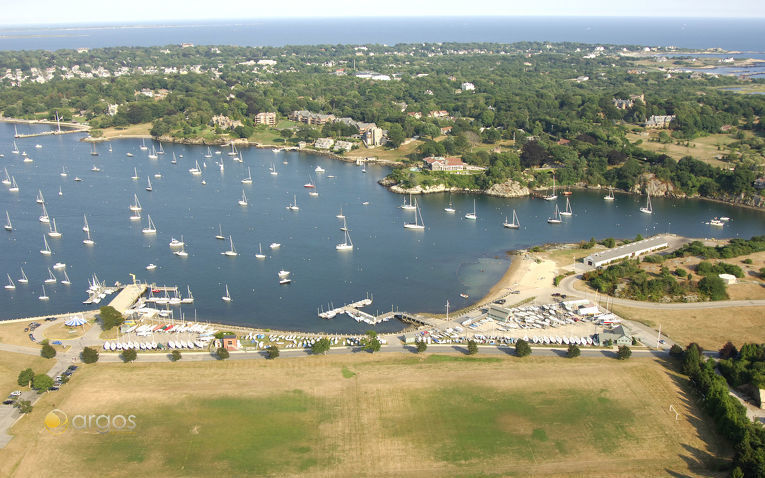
307	117
627	251
759	183
499	313
267	62
373	137
623	104
563	141
438	114
659	121
324	143
230	342
265	118
343	145
467	86
225	122
619	335
446	130
440	163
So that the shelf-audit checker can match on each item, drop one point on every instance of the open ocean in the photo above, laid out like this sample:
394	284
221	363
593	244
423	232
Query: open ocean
731	34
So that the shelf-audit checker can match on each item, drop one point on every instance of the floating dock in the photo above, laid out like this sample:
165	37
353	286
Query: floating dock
127	297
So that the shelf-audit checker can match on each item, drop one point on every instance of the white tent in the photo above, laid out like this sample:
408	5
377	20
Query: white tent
76	321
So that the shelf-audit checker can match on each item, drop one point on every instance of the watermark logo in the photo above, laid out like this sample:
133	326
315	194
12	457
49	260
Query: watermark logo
56	421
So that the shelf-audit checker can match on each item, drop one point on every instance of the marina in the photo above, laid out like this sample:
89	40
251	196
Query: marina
414	271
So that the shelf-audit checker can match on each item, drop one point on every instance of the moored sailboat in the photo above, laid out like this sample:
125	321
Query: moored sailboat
418	223
514	224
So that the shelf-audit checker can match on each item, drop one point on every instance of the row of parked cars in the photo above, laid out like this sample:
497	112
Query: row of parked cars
57	382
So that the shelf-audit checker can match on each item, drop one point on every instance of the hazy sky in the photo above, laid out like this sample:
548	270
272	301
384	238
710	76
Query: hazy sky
15	12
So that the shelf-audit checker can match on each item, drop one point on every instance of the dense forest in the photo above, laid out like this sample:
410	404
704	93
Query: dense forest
546	106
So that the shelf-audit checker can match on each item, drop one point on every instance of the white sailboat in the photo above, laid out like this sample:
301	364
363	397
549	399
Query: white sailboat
345	225
63	172
135	176
54	231
23	279
514	224
153	154
60	191
95	169
648	209
418	222
556	216
233	150
150	227
85	227
15	149
14	187
51	278
88	241
450	209
175	242
10	285
232	251
44	217
243	201
40	199
293	206
220	235
227	297
136	216
148	184
274	172
66	280
46	248
173	161
7	179
196	170
209	153
410	206
161	151
260	254
248	179
8	226
553	196
347	244
136	206
472	215
143	145
610	195
44	296
182	252
340	215
568	211
93	151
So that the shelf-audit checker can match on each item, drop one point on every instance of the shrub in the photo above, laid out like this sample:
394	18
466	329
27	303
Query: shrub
47	350
747	261
321	346
654	259
222	353
421	346
25	377
129	355
272	352
472	346
89	355
728	350
42	382
24	406
713	287
522	348
573	351
624	353
676	351
110	317
175	355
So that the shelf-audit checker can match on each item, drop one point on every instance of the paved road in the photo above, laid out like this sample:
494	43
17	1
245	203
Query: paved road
567	287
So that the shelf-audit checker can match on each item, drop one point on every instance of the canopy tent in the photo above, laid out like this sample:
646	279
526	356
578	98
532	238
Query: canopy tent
76	321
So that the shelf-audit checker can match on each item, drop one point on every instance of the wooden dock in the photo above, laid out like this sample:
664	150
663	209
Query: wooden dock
127	297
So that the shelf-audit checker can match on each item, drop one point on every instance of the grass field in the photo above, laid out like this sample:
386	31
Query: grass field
14	334
362	415
12	363
710	328
704	148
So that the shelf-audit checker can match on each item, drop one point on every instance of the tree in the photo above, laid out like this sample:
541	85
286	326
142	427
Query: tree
222	353
624	352
129	355
110	317
272	352
533	155
370	342
25	377
321	346
42	382
472	347
522	348
573	351
24	406
421	346
714	287
47	350
728	351
396	135
675	351
175	355
89	355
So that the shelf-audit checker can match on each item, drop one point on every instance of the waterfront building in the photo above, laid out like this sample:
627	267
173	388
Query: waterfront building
619	335
324	143
373	137
265	118
627	251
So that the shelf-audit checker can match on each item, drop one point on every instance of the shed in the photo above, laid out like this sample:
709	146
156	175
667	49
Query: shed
230	342
728	278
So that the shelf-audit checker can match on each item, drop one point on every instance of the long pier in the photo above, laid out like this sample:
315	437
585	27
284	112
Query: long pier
127	297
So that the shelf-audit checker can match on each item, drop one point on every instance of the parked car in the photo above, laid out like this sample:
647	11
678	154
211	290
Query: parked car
15	393
73	368
10	401
53	389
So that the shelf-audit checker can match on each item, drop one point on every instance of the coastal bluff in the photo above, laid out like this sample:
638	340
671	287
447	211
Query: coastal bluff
508	189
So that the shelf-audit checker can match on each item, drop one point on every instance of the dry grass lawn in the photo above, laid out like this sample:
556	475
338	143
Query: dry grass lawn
710	328
703	148
14	334
362	415
10	366
129	131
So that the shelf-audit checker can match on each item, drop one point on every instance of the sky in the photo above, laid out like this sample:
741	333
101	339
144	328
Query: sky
35	12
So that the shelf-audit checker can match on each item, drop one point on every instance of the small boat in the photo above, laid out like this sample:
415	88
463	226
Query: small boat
40	199
143	146
44	217
232	251
648	209
8	226
556	216
209	153
151	267
110	147
153	154
259	254
472	215
14	187
233	151
148	184
43	296
38	146
60	191
204	182
10	285
347	244
220	235
464	296
129	155
23	279
77	179
294	206
243	201
160	151
273	150
93	151
610	195
7	179
176	243
95	169
275	245
136	206
182	252
410	206
568	211
53	231
340	215
716	222
417	224
196	170
450	209
285	281
85	227
552	196
88	241
725	219
283	273
227	297
309	184
15	149
46	248
150	227
158	175
313	193
365	203
51	278
248	179
63	172
66	280
318	169
514	224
